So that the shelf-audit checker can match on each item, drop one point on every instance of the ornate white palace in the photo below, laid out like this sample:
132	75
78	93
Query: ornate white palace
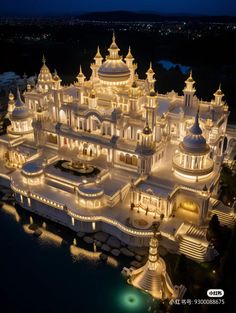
111	154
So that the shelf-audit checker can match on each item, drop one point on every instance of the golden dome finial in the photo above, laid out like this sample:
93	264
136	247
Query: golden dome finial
44	59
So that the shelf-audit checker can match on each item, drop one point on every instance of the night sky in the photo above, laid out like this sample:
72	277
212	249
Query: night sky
34	7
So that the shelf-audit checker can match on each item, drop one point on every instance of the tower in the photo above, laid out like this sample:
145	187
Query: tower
153	278
129	60
189	91
45	80
56	81
151	109
218	97
150	77
146	148
21	118
80	77
98	57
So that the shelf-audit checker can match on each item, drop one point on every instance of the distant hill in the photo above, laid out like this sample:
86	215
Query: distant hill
128	16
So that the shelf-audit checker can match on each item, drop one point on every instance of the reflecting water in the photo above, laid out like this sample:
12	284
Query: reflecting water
46	275
168	65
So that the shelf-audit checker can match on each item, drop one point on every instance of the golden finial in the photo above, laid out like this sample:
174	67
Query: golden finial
113	37
44	59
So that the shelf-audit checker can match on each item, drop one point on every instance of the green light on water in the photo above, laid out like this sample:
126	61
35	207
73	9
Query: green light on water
131	300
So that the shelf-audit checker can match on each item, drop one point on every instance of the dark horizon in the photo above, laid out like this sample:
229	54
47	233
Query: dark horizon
77	14
74	7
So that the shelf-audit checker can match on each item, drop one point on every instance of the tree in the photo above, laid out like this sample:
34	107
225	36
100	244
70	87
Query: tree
213	231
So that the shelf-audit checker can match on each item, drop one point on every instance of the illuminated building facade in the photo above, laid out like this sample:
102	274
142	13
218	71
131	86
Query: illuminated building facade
110	153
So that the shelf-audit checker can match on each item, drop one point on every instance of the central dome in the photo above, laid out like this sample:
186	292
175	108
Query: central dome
114	71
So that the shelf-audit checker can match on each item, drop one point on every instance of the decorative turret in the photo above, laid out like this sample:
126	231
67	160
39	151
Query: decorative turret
193	161
11	102
45	80
56	81
80	77
150	77
153	278
20	118
129	59
98	57
189	91
218	97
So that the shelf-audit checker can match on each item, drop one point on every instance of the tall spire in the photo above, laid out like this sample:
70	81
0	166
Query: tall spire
44	59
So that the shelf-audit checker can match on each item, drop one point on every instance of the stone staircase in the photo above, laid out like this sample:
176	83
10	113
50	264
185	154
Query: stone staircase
193	243
193	249
196	232
225	214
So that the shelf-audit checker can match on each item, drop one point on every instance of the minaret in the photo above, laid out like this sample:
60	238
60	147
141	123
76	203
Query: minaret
150	77
129	59
153	278
151	109
98	57
11	102
95	66
218	97
189	91
80	77
146	148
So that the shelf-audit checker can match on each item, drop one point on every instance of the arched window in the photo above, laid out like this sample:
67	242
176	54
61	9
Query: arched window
134	160
128	159
122	157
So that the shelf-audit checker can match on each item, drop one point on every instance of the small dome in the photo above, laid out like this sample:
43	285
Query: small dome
11	96
194	142
219	92
147	130
190	78
56	77
20	111
129	55
152	93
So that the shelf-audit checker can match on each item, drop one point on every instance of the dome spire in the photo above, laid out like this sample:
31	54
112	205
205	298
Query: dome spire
129	54
44	59
196	129
113	37
19	101
98	54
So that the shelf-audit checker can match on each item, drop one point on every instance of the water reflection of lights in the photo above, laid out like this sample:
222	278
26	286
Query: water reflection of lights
27	230
11	210
80	253
131	300
112	261
49	237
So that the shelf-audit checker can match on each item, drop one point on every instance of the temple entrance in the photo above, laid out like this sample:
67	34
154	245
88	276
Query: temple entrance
187	209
